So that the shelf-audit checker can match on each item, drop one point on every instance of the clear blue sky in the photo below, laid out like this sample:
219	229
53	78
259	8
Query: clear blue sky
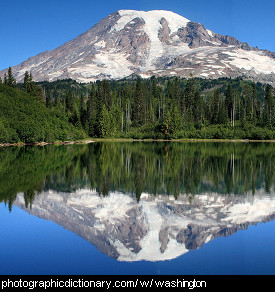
33	26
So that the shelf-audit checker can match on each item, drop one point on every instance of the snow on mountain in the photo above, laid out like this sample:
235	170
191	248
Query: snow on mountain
157	42
156	228
151	27
152	20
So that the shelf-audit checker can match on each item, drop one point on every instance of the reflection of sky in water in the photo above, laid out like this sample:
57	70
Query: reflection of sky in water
42	247
138	208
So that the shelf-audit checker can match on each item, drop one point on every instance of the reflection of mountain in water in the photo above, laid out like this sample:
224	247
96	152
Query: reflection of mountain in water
155	228
198	191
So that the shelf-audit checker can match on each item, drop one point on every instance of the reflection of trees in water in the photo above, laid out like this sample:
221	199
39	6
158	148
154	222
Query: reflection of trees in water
157	168
30	170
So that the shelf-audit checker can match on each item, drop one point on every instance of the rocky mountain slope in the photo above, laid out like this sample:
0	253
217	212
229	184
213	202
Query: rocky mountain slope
156	228
157	42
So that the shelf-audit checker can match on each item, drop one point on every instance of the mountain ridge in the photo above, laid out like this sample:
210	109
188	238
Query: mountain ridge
155	228
147	43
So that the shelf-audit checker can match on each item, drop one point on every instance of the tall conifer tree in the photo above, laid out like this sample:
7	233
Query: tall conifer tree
48	97
139	104
10	79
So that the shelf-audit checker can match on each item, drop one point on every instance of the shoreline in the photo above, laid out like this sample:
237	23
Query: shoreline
177	140
93	140
46	143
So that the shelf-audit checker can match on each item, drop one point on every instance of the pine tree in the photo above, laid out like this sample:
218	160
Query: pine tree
177	91
215	103
242	112
26	81
255	104
268	107
222	115
48	97
56	97
176	120
69	101
128	114
170	91
198	108
167	125
99	106
188	101
248	102
105	122
237	104
91	113
40	93
107	94
5	79
10	79
139	104
116	118
28	84
32	86
229	104
154	88
83	113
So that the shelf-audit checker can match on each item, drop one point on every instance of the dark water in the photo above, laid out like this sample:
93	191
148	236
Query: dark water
138	208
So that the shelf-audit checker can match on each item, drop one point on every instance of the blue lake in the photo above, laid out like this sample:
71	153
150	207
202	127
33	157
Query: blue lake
138	209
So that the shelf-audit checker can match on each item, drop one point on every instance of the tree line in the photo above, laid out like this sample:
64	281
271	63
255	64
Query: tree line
161	108
175	108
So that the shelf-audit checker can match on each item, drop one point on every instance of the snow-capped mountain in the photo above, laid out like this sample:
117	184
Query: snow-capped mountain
156	228
157	42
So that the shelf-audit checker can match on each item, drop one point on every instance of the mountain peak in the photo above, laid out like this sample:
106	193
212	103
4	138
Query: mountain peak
154	17
156	42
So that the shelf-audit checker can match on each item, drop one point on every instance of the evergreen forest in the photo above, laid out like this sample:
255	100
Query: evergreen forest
154	108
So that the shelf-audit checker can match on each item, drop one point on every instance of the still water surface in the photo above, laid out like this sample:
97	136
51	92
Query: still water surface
138	208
